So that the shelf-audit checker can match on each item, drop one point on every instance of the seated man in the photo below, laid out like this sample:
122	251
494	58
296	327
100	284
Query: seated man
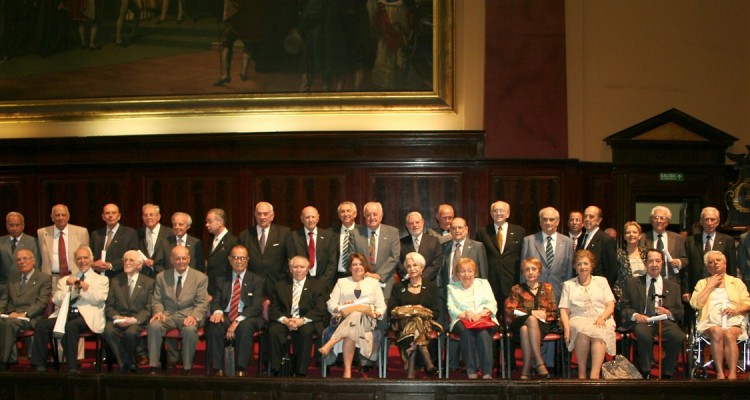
87	291
128	310
180	301
237	313
24	301
648	296
297	309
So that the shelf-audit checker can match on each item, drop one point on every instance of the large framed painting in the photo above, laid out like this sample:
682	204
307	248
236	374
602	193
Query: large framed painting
83	60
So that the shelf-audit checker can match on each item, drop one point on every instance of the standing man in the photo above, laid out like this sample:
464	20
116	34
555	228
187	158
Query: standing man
267	245
298	307
151	238
702	243
575	228
502	241
181	223
347	212
648	296
553	249
237	313
601	244
87	291
381	243
110	243
128	310
460	246
427	245
10	244
58	244
445	215
180	301
24	301
218	257
670	243
317	245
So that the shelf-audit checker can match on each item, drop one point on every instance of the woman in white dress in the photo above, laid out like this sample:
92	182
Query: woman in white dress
586	308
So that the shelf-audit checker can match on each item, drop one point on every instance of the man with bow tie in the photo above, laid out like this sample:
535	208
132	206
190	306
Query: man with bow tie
298	306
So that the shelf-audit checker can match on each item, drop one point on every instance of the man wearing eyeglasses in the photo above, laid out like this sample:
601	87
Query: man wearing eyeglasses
671	244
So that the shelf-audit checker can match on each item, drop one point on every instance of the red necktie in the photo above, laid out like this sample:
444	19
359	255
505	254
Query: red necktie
234	303
311	253
62	255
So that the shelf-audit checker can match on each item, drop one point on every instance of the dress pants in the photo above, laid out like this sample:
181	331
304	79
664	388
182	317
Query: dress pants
475	341
156	331
672	337
42	333
123	342
302	342
9	328
243	342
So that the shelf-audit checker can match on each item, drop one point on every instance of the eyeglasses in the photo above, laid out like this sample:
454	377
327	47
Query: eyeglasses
238	258
659	218
24	259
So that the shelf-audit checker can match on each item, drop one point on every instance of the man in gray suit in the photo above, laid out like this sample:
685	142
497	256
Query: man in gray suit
180	301
556	269
151	238
25	300
465	247
381	244
11	243
128	309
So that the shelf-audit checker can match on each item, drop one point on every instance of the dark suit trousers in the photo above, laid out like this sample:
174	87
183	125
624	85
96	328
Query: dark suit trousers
9	328
243	341
475	342
672	337
42	333
302	342
123	342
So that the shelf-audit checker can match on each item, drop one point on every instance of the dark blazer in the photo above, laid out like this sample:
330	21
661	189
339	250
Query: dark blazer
195	247
696	269
428	296
471	249
119	301
312	302
271	265
675	246
504	269
218	260
604	248
126	238
430	248
326	252
32	298
251	297
158	257
634	298
8	257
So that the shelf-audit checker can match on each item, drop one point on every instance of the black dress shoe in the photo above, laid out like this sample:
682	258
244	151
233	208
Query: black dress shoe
187	372
222	81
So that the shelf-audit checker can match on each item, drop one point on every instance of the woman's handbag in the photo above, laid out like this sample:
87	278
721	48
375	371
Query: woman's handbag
482	323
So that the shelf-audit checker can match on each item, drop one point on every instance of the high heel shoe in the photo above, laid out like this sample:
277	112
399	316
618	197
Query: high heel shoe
541	375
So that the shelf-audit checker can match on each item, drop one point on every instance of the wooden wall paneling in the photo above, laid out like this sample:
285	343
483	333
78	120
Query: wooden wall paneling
12	198
526	195
84	193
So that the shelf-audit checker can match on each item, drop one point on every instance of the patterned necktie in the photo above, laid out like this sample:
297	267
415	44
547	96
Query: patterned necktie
181	242
13	244
650	299
500	240
296	294
234	302
372	247
24	279
62	255
575	243
416	243
109	240
456	255
311	253
707	248
262	240
178	288
549	253
345	251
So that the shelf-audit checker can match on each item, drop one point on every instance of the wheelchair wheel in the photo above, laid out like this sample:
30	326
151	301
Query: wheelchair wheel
700	372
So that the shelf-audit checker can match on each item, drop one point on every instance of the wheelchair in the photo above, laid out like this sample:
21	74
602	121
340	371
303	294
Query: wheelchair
697	344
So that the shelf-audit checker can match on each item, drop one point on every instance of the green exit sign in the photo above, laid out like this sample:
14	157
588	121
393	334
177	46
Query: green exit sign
671	176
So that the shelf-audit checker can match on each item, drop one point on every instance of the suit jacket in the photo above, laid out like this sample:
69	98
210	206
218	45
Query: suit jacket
428	297
337	232
743	257
696	269
326	253
604	248
251	295
677	250
90	303
471	249
218	260
8	257
195	247
560	270
504	269
389	251
77	237
126	238
119	301
193	299
32	298
158	257
430	248
271	265
438	234
634	298
312	302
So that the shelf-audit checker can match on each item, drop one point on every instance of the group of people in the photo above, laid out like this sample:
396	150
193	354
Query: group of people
340	290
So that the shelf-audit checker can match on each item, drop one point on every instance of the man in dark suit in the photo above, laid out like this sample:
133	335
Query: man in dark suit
180	301
671	243
640	302
12	242
181	223
502	241
218	257
575	228
701	243
427	245
128	310
237	313
601	244
112	242
347	212
299	317
268	246
151	238
442	231
381	243
317	245
27	295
